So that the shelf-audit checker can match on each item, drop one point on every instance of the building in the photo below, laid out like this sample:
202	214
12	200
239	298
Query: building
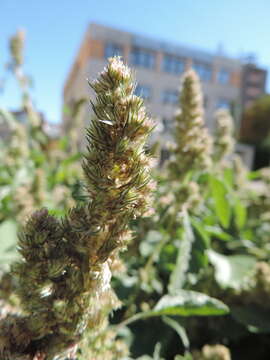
253	86
158	66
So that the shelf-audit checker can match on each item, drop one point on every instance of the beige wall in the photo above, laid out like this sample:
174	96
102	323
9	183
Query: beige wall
90	61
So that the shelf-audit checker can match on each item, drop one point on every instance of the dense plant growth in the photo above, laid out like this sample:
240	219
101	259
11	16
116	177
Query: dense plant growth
194	280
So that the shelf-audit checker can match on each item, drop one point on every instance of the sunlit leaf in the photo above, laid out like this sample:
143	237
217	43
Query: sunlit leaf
189	303
186	238
240	214
231	271
221	201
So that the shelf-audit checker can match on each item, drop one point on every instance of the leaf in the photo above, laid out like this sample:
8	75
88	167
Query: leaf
228	176
71	159
199	228
178	275
179	329
253	175
148	245
8	241
189	303
220	197
156	354
231	271
184	303
186	356
217	232
240	213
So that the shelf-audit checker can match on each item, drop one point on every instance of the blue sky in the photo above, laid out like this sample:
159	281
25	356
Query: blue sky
55	28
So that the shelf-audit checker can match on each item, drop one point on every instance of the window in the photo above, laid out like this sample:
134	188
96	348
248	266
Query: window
144	58
143	91
223	104
255	78
173	64
170	97
112	50
223	76
204	71
253	92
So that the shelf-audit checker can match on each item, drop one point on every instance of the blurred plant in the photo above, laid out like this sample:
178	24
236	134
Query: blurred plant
193	144
74	114
205	241
256	117
34	168
16	46
213	352
224	141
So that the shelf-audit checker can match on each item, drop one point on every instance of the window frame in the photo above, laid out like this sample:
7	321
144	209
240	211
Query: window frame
144	58
220	76
110	47
168	95
203	69
173	64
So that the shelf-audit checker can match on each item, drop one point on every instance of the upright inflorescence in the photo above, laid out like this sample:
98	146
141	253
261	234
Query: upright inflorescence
65	268
193	143
224	141
193	146
16	46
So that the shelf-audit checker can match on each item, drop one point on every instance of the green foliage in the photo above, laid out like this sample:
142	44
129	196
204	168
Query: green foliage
186	238
256	117
8	236
203	251
231	271
189	303
221	201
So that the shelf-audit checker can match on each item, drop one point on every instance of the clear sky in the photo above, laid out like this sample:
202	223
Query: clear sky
55	29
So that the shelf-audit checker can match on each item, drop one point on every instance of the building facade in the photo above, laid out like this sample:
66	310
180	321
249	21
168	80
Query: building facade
158	66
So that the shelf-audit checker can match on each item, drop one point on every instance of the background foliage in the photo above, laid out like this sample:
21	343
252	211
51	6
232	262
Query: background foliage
195	281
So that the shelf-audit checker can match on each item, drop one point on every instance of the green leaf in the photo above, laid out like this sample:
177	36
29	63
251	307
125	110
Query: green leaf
184	303
8	241
218	233
186	238
231	271
71	159
200	230
186	356
240	213
179	329
189	303
228	176
253	175
221	203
